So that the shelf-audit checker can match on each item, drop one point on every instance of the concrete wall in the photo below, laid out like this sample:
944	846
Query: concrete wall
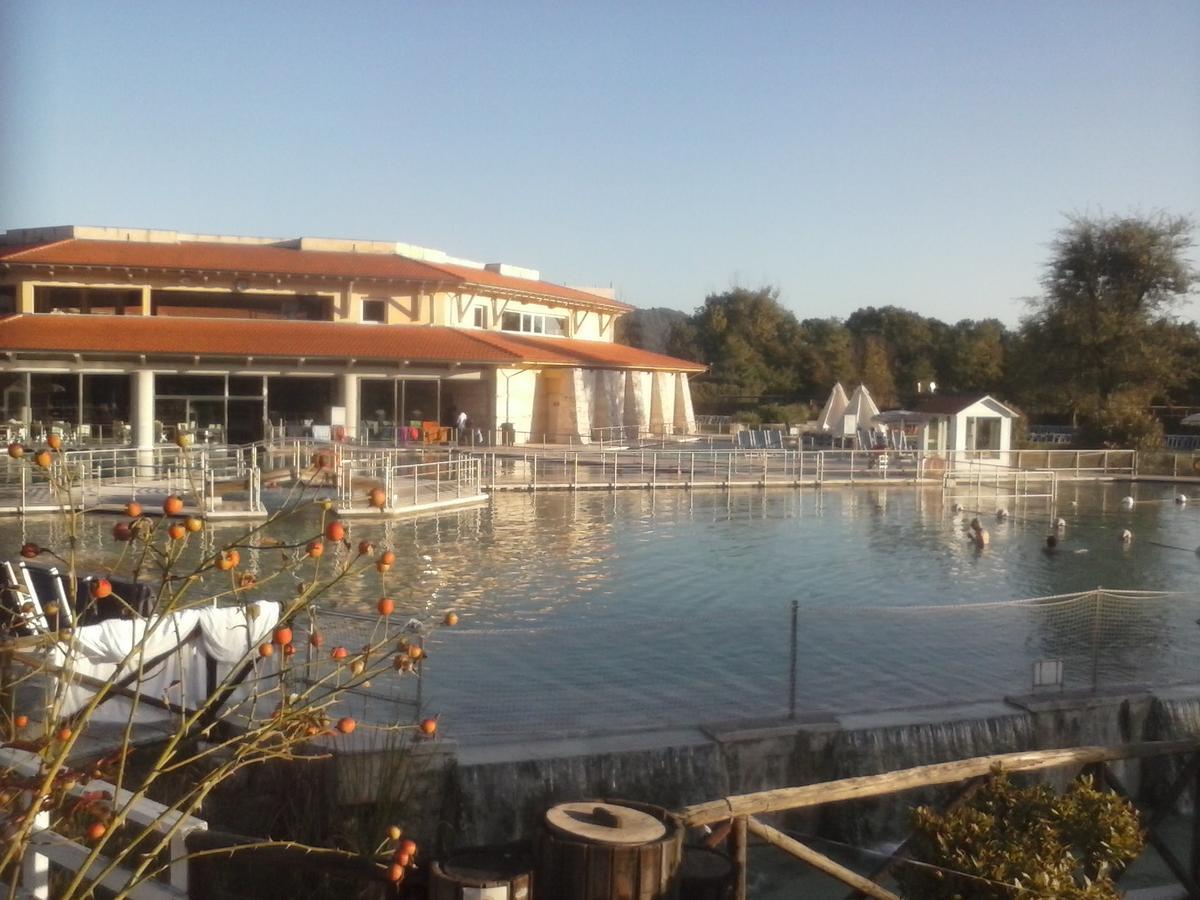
404	308
516	396
500	791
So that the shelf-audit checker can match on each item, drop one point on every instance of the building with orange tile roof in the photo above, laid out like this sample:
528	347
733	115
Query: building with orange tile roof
138	332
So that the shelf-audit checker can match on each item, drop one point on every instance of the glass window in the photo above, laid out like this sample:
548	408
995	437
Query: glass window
374	311
480	317
189	385
534	323
245	386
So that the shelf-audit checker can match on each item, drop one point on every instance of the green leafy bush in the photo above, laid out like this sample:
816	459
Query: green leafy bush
1010	841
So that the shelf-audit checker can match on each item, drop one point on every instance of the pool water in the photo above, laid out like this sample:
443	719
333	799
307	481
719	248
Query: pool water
629	609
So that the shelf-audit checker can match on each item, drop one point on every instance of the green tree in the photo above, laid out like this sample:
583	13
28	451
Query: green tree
1009	841
875	370
1109	288
911	341
649	329
832	353
754	344
973	357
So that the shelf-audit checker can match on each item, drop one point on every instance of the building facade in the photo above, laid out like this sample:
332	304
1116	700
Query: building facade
126	335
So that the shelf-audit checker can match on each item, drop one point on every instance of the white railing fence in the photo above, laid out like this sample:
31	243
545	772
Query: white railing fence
47	848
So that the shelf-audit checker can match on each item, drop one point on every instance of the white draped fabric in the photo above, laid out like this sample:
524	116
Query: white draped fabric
115	649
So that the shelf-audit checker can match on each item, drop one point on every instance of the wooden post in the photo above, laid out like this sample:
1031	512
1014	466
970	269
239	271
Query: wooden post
737	852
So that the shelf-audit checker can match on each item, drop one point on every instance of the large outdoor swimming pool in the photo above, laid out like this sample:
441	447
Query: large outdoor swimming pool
627	609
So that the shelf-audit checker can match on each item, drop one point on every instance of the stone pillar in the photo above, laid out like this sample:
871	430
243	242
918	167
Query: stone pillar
146	299
685	417
348	395
662	402
572	406
608	401
638	389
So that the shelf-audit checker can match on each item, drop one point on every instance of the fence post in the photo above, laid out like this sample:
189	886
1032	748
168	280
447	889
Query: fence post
737	852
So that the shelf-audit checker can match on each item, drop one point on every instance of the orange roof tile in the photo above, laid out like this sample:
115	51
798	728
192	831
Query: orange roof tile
250	259
334	341
486	279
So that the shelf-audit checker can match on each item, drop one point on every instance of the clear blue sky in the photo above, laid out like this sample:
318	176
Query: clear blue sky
850	153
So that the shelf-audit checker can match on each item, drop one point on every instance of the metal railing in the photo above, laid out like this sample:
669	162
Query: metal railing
533	468
408	485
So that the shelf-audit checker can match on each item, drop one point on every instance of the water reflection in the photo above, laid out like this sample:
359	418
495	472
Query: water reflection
630	608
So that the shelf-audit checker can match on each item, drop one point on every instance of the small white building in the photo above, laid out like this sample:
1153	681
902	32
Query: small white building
971	422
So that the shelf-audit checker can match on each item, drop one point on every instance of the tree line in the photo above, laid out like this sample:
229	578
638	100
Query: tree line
1099	347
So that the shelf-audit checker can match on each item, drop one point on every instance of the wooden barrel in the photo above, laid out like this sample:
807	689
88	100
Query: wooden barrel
705	875
608	850
484	873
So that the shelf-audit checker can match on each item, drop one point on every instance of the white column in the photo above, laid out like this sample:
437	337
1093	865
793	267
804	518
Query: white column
141	414
348	390
141	410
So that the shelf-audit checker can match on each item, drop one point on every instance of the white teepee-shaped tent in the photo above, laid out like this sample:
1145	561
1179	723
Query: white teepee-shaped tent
859	412
831	415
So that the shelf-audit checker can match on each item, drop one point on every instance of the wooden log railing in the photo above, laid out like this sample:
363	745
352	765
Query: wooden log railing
742	809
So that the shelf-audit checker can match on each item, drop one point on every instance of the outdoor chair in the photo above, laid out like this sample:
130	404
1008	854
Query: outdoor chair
46	588
20	612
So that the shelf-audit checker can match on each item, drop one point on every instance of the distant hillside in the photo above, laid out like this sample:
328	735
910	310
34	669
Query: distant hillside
649	329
